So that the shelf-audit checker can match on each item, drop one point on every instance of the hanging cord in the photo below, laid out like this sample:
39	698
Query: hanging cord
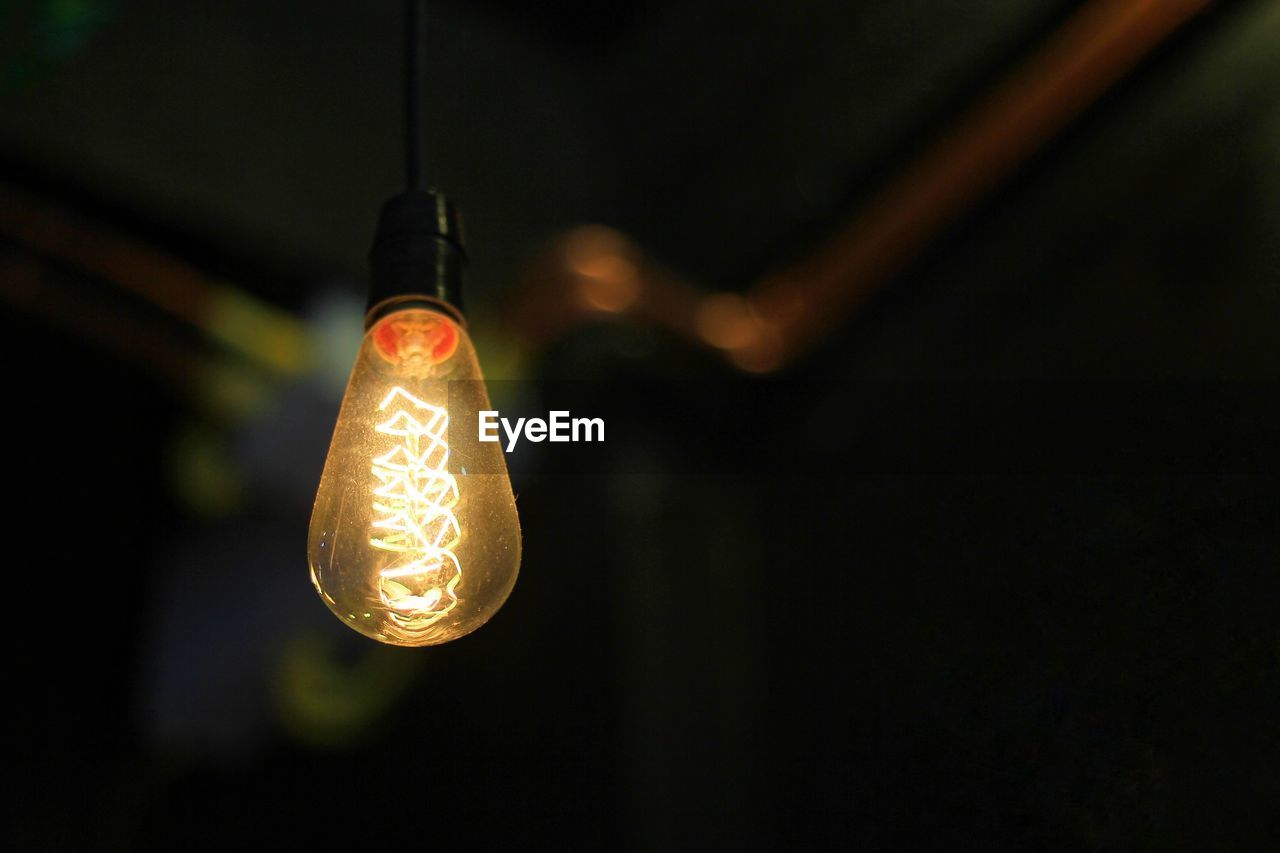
417	256
414	38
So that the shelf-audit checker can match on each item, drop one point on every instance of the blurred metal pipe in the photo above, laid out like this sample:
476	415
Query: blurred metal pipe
791	310
1089	53
170	285
28	286
266	337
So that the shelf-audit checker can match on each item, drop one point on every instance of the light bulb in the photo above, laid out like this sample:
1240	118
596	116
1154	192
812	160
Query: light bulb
414	538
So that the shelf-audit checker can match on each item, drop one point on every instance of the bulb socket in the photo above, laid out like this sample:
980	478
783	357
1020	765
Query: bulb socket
417	257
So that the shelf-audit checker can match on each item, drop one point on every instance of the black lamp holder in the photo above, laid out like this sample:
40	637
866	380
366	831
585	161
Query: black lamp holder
417	256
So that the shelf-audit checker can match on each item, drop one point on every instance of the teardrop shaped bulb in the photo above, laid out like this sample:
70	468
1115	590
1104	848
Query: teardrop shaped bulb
414	538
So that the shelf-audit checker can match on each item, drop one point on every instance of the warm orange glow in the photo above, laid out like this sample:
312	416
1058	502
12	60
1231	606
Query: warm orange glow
413	541
725	321
614	287
587	244
413	506
607	277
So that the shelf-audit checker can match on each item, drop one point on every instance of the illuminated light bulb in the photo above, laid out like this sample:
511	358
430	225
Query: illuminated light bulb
414	538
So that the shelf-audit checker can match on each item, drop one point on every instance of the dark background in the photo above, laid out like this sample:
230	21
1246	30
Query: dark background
994	565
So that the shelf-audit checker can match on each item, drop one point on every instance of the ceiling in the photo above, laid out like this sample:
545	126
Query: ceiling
714	133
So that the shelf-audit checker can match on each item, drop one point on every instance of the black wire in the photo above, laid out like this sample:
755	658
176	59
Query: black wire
415	171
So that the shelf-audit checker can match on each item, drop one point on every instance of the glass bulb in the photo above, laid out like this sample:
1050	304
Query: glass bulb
414	538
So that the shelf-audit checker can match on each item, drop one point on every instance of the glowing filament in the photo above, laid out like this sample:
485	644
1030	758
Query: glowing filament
413	513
